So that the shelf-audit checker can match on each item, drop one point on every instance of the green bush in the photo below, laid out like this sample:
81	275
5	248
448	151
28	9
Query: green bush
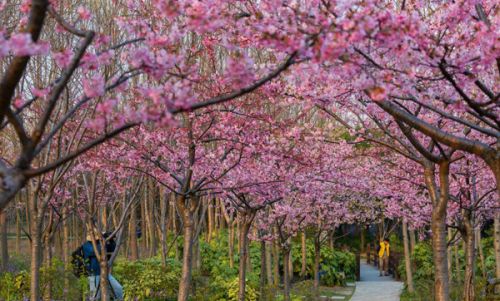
16	285
335	266
148	279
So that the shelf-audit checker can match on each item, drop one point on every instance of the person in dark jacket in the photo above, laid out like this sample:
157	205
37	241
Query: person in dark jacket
94	270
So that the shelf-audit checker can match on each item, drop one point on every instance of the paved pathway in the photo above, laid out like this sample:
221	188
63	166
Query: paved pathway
375	288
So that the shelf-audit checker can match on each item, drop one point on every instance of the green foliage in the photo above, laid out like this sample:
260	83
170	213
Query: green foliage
233	289
423	272
148	279
16	285
335	266
222	280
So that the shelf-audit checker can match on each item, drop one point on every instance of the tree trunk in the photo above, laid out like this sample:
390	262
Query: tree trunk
103	281
134	248
18	231
4	247
211	218
496	242
263	273
269	265
231	244
439	199
66	249
468	236
36	246
286	273
187	257
245	223
450	255
163	227
406	245
480	251
317	258
47	296
413	241
290	264
303	268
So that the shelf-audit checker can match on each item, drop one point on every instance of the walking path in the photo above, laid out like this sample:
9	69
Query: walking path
375	288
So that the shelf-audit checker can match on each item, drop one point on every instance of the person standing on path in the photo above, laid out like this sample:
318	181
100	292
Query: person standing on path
383	255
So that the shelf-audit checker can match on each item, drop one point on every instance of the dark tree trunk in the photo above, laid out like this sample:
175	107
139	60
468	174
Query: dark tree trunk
286	273
317	258
4	247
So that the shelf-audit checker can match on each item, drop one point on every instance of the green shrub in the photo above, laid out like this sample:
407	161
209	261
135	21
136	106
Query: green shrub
148	279
335	266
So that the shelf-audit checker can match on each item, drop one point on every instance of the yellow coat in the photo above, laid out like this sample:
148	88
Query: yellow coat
384	248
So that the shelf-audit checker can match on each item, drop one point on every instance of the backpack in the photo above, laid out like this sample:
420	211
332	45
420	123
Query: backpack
378	248
78	263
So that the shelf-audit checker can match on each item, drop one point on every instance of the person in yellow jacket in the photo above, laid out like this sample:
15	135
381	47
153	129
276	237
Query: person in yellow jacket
383	255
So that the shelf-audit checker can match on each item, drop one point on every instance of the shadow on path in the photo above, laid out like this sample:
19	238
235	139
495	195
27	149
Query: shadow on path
375	288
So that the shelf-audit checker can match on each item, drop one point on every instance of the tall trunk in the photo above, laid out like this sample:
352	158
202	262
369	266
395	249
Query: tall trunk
290	264
4	248
103	282
36	242
438	227
413	241
65	249
450	255
151	224
245	222
263	270
304	256
496	242
480	251
173	217
134	248
317	258
47	296
187	257
143	225
469	239
276	263
163	227
210	217
286	273
269	265
231	243
406	246
18	231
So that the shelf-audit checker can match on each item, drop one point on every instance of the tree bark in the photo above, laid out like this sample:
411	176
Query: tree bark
438	227
496	242
317	258
269	265
245	223
231	244
36	242
413	241
479	247
187	255
469	239
134	248
286	273
263	269
163	227
304	256
406	246
4	247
